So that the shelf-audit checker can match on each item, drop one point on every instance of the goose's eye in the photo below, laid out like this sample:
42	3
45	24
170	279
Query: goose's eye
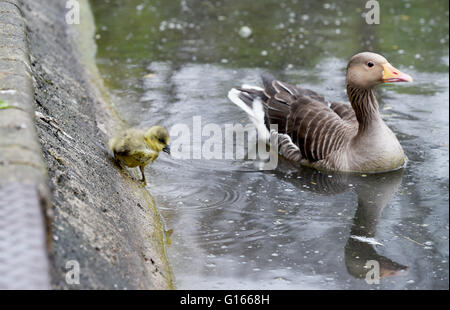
370	64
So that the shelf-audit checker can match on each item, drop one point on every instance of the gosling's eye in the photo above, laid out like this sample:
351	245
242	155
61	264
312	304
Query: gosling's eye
370	64
161	140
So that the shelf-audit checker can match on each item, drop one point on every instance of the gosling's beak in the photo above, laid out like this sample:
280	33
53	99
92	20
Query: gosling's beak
392	75
166	149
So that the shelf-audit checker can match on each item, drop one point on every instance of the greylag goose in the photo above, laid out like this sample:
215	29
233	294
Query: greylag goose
329	135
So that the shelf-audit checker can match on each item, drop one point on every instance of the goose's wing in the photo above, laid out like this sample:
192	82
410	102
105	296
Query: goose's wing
128	142
344	110
305	118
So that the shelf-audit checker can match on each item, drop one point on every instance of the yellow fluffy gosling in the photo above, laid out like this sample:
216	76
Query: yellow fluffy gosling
137	148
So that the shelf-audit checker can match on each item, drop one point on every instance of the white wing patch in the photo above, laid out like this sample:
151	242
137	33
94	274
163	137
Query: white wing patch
246	86
286	88
256	114
368	240
233	95
258	110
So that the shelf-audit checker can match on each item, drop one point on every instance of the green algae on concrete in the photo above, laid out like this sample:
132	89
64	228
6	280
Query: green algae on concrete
3	105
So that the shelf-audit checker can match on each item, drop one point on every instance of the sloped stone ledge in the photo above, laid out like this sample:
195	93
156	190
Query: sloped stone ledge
24	193
52	100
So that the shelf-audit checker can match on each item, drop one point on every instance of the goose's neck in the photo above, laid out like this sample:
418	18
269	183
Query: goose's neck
365	105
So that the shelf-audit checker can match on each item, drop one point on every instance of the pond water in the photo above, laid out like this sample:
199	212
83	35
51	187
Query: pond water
237	227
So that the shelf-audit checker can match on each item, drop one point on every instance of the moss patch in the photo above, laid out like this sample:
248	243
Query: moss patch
4	105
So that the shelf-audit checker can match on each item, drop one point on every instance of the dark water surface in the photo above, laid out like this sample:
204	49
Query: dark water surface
290	228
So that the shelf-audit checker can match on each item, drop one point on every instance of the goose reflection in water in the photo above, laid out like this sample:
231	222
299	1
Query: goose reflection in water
373	196
286	234
374	192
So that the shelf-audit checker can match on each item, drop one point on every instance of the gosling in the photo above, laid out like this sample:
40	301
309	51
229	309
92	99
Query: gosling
137	148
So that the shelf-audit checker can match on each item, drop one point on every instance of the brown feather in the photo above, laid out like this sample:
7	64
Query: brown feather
314	125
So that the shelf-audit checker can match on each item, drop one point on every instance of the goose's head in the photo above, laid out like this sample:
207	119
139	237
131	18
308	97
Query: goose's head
366	70
157	138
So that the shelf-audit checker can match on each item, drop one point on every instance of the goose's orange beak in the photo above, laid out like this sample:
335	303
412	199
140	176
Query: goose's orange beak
393	75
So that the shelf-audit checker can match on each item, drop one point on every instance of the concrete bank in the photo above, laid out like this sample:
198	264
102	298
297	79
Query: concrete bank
100	219
24	193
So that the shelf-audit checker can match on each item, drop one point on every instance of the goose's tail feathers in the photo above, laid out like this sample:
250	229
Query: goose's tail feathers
256	113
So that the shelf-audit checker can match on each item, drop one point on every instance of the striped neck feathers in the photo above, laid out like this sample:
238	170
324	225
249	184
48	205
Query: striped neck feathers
365	105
